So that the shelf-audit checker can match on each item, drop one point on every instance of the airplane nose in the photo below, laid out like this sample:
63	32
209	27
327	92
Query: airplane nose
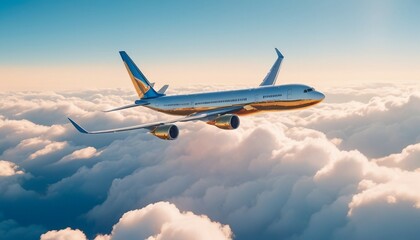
319	96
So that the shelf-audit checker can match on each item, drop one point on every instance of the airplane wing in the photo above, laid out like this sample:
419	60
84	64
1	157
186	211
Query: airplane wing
208	115
123	107
205	116
138	103
271	77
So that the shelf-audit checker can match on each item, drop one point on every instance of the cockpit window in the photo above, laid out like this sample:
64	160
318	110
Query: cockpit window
309	90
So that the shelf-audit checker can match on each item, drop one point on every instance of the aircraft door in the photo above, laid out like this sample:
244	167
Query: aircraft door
289	93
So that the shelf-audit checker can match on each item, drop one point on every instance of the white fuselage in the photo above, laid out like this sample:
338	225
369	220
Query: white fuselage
266	98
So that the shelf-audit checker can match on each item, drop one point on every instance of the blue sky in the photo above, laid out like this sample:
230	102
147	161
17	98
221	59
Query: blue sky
378	35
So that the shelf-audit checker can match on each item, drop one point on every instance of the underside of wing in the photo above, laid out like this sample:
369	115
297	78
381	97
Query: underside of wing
205	116
211	114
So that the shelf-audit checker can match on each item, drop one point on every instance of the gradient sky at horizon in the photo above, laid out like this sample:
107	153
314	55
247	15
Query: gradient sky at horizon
56	45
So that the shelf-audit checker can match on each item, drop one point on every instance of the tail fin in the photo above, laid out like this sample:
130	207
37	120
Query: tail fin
143	87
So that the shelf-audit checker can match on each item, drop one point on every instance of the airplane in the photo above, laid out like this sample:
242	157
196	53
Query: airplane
220	108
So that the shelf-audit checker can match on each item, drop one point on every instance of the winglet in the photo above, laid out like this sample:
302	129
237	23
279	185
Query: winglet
79	128
279	53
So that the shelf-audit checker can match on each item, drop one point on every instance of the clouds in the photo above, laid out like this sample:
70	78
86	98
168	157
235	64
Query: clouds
266	193
158	221
8	168
162	220
84	153
377	125
294	175
65	234
408	159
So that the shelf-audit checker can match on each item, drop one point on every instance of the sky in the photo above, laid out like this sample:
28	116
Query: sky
69	45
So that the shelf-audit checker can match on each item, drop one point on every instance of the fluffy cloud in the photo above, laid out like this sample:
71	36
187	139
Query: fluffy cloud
83	153
11	178
162	221
377	126
65	234
295	175
408	159
158	221
9	168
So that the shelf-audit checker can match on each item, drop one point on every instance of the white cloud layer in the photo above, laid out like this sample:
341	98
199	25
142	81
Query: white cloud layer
346	169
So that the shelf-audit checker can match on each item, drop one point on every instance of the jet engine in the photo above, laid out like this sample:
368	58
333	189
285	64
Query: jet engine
228	121
166	132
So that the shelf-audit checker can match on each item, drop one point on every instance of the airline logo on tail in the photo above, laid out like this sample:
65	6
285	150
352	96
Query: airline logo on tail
141	88
140	82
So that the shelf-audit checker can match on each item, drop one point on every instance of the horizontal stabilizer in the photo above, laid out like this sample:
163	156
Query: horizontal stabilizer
163	89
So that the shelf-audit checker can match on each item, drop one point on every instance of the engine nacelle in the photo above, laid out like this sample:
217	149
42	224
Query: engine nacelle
228	121
166	132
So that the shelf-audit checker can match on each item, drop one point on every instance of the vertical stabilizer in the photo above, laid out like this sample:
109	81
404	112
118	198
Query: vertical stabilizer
143	87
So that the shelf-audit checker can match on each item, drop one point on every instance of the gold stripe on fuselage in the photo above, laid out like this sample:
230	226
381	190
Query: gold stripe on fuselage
140	87
253	107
